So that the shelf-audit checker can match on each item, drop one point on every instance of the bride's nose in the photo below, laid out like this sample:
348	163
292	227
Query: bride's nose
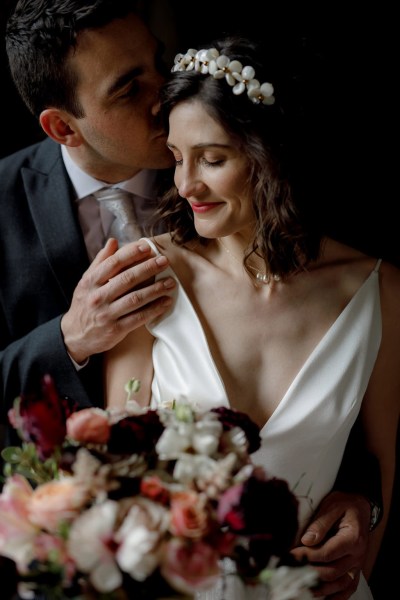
189	185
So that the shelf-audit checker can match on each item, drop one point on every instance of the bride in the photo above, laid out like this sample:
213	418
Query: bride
270	317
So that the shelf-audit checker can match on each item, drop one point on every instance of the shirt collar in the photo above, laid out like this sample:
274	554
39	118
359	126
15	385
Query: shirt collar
143	184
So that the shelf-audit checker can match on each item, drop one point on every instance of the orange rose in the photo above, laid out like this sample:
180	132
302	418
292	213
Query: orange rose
153	488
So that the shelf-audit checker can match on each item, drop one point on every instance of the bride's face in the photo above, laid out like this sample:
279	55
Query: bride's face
210	172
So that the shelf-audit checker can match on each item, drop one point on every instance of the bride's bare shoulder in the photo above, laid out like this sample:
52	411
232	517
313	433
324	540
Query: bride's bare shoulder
336	252
162	241
174	252
390	286
389	280
165	244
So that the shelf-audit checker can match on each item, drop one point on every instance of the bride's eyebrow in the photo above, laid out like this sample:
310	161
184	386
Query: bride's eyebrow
211	145
202	145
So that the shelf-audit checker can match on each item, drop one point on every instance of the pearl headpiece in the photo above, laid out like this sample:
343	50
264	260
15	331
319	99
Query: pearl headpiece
211	62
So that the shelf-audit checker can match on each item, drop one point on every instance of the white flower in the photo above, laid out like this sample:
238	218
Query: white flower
139	536
204	58
206	436
182	433
211	62
260	93
136	515
191	467
244	76
172	442
290	583
218	477
185	62
224	67
89	546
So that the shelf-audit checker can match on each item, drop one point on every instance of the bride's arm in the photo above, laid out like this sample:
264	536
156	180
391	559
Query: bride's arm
131	358
381	405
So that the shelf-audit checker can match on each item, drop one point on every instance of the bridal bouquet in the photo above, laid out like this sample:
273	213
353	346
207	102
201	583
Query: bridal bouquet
142	503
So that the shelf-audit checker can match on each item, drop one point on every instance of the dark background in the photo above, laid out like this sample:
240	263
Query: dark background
351	72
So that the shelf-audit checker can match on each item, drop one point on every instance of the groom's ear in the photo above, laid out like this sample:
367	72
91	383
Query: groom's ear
60	126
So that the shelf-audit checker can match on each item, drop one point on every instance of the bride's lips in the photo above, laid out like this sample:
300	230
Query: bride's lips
202	207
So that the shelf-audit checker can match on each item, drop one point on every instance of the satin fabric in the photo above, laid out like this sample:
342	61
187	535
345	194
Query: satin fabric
304	439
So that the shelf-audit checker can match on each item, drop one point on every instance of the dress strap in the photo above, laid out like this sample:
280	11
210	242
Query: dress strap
378	264
151	244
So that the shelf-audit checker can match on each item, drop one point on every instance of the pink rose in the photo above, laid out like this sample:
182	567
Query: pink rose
17	533
90	425
189	567
188	515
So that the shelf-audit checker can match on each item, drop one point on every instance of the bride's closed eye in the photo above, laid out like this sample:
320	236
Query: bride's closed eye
204	161
212	163
177	157
199	158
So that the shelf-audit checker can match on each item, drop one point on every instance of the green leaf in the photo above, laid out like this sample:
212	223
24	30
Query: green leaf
12	454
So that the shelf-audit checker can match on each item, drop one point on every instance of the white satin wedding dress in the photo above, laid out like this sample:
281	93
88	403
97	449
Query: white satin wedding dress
304	439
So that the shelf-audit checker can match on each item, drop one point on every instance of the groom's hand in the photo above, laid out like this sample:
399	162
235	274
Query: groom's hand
116	295
335	542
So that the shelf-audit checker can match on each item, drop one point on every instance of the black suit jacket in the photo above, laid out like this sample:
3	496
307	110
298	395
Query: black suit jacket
42	258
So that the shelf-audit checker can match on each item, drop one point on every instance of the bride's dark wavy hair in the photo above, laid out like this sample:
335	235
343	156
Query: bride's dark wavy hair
285	234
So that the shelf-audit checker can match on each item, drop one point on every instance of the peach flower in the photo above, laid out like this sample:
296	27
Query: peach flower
57	501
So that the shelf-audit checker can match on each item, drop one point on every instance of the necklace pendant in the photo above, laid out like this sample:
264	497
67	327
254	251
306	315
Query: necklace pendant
266	278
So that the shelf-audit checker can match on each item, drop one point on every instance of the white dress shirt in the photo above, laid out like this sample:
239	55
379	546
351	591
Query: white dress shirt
94	223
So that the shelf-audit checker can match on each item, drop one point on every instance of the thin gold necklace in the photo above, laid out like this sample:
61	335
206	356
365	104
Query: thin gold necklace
260	277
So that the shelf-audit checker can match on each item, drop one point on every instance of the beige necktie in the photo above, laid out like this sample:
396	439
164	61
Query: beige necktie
120	203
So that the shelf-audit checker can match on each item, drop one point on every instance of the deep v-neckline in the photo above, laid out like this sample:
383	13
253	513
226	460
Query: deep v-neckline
323	340
330	332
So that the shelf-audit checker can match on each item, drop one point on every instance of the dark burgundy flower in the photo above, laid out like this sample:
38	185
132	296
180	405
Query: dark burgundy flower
136	434
264	510
234	418
42	418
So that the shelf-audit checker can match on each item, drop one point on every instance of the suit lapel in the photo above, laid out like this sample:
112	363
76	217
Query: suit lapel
50	196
